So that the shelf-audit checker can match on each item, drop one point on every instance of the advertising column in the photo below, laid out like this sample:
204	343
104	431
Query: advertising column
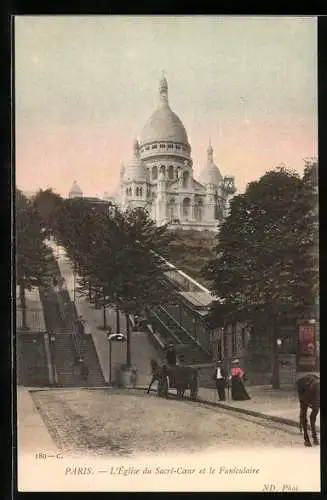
307	359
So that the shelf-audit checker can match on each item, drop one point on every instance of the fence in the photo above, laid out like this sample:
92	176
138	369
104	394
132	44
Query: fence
34	319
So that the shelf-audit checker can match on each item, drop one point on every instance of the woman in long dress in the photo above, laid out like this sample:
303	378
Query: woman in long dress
239	392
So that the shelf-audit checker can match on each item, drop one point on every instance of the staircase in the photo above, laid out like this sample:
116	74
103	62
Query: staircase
32	369
64	357
60	316
171	331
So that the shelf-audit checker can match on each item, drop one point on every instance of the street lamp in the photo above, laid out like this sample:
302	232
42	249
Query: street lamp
113	337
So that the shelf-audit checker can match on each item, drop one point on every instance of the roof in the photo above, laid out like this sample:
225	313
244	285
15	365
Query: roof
164	125
211	173
75	189
135	170
198	299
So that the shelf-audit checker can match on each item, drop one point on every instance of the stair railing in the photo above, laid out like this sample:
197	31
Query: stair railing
190	336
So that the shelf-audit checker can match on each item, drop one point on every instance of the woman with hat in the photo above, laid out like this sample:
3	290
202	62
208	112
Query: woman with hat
239	393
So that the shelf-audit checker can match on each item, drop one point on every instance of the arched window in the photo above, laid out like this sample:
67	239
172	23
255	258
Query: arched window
170	172
154	172
163	170
130	191
186	208
186	177
126	191
141	192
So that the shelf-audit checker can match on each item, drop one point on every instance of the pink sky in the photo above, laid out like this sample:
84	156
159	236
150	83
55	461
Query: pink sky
78	108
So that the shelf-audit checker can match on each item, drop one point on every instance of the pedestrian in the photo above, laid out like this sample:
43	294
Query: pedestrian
219	376
84	372
171	357
239	392
80	326
134	377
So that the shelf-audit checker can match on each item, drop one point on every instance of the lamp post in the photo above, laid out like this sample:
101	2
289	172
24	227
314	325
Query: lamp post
74	290
112	337
110	353
110	362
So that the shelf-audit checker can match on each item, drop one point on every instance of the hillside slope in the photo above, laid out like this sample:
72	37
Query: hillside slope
191	250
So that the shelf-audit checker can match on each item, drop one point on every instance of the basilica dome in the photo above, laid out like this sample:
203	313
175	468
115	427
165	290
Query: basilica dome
164	125
211	173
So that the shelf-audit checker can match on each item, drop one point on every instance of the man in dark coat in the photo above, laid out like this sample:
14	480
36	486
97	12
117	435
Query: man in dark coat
171	357
219	376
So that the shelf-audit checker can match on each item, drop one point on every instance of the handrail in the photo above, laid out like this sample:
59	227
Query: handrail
185	331
155	336
165	326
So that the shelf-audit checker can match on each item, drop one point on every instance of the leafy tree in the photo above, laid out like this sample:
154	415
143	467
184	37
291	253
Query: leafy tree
48	203
125	264
264	267
32	255
116	254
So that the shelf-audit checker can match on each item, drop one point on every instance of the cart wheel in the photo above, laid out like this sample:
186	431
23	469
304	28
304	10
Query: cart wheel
180	392
194	394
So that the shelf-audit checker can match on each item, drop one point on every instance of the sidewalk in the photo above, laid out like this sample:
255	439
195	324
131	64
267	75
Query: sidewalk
32	434
276	405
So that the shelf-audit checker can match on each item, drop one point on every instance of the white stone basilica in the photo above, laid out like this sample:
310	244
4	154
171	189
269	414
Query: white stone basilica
160	175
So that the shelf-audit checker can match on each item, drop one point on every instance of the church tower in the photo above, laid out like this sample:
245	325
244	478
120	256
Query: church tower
134	181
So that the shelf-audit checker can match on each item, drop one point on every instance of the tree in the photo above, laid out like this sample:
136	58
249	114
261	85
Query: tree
118	256
48	203
126	266
32	255
264	268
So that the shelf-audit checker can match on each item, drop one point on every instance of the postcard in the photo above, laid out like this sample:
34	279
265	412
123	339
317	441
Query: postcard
167	301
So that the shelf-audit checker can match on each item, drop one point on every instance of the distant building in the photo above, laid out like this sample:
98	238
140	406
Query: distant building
75	191
29	194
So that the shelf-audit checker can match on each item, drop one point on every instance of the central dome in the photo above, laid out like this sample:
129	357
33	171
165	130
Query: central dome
164	125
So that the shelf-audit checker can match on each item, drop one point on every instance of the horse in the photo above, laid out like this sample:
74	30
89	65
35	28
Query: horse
308	388
155	373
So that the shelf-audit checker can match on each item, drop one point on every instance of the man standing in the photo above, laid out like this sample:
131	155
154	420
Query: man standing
171	357
219	376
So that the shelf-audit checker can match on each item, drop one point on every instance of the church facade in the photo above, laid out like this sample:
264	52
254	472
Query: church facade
160	175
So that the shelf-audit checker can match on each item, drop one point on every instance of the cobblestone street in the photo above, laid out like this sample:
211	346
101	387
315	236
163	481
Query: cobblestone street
125	423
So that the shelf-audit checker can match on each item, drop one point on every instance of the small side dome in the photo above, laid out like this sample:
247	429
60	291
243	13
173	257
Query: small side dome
135	170
211	173
75	191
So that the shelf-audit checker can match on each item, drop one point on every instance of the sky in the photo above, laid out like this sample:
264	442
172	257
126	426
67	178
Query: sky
86	85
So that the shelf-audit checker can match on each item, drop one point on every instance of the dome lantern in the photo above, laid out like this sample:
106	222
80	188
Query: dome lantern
210	153
163	89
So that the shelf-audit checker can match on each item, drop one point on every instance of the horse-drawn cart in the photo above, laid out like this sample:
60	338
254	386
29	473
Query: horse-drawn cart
177	377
